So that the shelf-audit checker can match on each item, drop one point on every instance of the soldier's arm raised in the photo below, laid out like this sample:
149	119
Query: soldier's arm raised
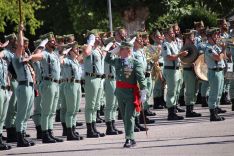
20	41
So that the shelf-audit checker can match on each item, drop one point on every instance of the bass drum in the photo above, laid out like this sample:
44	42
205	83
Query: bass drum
201	68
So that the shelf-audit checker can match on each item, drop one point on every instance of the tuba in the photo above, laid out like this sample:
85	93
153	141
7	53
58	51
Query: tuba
152	57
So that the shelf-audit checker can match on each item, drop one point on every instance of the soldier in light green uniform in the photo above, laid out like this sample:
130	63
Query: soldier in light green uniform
93	67
50	63
11	113
159	85
190	80
39	45
129	72
25	90
214	57
172	72
72	90
148	52
4	94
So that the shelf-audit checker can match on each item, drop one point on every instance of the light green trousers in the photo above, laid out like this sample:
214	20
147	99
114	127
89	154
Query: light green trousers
62	101
37	108
49	101
92	86
4	103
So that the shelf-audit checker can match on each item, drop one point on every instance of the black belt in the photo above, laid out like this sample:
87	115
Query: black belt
93	75
6	88
188	68
62	80
73	80
107	76
147	74
25	83
160	64
217	69
50	79
171	67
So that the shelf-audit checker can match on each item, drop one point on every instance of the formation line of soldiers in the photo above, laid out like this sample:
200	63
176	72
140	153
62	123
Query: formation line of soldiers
121	73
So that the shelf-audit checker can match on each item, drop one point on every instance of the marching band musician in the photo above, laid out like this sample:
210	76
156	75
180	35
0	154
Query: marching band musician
158	92
172	72
188	77
225	99
214	57
200	43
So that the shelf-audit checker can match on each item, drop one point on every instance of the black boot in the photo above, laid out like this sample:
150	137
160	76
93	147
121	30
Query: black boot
181	101
129	143
21	142
39	132
163	102
199	98
136	129
225	99
96	131
232	104
147	120
50	131
79	124
99	119
57	116
204	101
190	112
147	112
11	135
179	109
110	130
138	126
157	103
90	132
4	138
214	116
114	128
64	129
76	133
102	108
26	135
46	139
119	115
172	114
71	135
220	111
2	145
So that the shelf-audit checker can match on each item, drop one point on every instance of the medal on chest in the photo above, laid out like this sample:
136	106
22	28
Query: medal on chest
128	68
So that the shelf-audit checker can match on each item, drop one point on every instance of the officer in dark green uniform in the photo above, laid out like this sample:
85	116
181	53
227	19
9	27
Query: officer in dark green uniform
4	94
129	72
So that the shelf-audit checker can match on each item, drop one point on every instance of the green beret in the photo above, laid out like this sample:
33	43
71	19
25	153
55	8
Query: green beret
199	24
166	30
26	39
221	21
49	36
59	38
157	33
188	32
108	40
96	32
37	43
126	44
10	36
212	31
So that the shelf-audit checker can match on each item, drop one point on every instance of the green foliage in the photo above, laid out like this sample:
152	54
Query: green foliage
10	14
198	14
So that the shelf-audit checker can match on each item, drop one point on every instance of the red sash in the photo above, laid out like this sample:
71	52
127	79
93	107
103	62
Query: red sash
136	93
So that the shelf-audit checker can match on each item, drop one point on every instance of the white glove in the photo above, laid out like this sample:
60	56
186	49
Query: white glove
91	40
65	52
43	43
132	40
143	96
108	46
115	51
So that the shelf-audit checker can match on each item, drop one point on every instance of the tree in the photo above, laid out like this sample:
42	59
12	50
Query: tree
10	14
